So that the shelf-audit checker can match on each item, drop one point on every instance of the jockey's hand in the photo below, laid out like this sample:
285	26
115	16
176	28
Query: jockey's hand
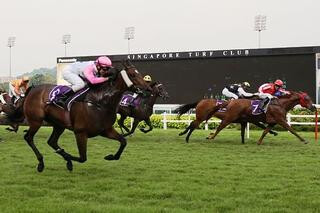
257	93
139	91
112	77
22	95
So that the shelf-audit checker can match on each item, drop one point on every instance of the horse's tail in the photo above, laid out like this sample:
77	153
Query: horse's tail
16	115
185	108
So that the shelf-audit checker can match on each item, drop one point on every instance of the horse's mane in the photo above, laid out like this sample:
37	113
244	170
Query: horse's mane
291	93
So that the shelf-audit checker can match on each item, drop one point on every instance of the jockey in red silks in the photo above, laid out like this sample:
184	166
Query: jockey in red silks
79	72
268	91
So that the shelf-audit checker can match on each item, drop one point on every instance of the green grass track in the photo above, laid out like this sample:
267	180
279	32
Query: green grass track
159	172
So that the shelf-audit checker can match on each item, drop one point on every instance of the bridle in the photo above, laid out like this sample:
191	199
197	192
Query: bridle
302	100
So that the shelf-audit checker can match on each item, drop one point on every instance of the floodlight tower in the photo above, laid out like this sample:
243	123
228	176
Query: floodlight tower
66	39
259	25
11	43
129	34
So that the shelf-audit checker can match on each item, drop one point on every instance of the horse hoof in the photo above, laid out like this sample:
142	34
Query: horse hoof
109	157
305	142
40	167
69	165
259	143
275	134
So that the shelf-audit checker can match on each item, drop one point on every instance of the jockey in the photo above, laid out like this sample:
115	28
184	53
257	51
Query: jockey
18	87
268	91
235	91
148	80
78	73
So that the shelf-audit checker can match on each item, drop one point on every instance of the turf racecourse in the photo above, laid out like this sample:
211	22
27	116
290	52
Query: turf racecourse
159	172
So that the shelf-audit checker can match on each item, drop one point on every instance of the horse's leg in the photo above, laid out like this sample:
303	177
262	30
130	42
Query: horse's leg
33	128
222	125
243	127
185	131
121	123
258	124
53	142
193	125
134	126
266	130
113	134
148	122
14	127
285	125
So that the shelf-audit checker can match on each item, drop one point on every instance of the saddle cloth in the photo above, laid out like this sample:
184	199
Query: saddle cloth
128	99
219	102
255	107
61	90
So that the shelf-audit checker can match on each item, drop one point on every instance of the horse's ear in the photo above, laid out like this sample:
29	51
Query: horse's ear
129	63
124	63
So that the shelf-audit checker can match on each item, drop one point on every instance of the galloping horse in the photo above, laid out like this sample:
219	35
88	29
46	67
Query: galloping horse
205	109
141	111
92	117
276	113
7	107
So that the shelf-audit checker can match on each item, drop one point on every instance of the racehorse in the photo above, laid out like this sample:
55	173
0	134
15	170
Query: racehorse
92	117
141	111
7	107
205	109
276	113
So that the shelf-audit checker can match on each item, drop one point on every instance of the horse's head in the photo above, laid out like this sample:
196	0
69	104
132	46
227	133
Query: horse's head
159	90
131	77
305	101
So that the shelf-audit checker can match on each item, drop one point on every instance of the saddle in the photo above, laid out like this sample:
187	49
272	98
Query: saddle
61	90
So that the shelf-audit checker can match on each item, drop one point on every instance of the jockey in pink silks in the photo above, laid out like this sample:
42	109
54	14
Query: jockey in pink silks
93	72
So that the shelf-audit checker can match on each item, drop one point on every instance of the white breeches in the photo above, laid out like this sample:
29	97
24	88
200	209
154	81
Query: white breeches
12	92
229	94
76	82
265	95
2	101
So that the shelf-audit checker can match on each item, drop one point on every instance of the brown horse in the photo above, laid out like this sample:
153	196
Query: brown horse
8	108
92	117
276	113
143	111
205	109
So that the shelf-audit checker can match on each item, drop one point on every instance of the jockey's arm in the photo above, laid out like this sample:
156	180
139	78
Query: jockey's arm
88	74
244	93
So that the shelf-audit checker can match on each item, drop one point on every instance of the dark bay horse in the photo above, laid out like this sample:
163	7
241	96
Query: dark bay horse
205	109
92	117
8	108
143	111
276	113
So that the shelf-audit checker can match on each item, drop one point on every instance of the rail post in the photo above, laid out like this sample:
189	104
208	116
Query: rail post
316	126
165	120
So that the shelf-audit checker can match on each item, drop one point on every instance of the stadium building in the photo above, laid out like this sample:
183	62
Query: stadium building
191	76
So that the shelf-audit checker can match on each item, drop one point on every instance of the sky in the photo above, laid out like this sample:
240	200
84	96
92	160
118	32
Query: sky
97	27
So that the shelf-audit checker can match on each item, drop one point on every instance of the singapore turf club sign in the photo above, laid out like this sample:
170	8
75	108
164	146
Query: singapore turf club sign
184	55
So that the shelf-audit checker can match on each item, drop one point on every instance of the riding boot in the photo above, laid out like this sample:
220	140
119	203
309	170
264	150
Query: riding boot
13	99
61	101
264	103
